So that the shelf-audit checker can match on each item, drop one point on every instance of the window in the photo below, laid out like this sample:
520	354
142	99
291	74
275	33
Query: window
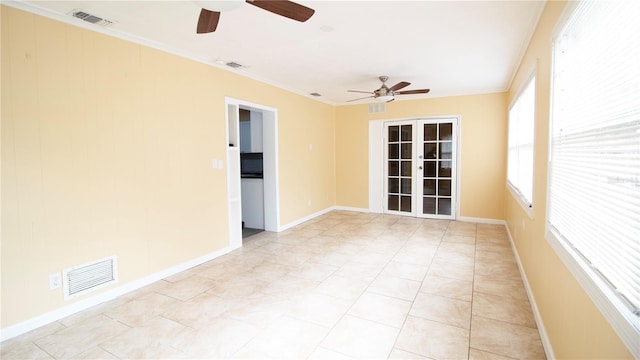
520	153
593	217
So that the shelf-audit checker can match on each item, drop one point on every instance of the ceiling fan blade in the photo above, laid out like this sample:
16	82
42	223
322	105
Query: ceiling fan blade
399	86
367	97
288	9
408	92
358	91
208	21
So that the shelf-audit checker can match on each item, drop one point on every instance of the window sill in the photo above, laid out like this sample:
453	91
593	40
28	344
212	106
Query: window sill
524	204
619	316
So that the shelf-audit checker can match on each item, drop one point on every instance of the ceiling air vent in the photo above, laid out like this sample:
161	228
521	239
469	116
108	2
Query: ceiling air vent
90	18
234	65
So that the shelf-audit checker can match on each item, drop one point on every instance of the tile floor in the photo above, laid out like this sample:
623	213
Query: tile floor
342	286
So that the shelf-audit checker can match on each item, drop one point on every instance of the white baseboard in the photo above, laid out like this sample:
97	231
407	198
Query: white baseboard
55	315
306	218
544	337
481	220
353	209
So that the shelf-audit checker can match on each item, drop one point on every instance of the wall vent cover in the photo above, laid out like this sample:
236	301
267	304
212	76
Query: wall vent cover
90	18
81	279
377	108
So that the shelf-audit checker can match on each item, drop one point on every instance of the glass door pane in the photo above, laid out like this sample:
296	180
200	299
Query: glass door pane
400	168
437	145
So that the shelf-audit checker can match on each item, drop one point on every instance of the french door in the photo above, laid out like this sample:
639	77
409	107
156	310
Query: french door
420	167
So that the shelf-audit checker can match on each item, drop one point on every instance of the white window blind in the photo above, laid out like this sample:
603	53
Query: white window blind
594	169
520	153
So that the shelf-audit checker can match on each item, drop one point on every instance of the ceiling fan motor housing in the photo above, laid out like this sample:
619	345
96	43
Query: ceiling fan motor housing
383	91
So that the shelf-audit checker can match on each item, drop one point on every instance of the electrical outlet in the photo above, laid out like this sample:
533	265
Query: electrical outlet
308	202
55	280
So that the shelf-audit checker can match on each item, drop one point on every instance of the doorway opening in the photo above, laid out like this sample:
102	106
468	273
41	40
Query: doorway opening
252	169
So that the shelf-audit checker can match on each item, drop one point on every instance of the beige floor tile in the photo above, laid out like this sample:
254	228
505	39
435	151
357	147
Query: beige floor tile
385	246
500	254
288	338
397	354
502	248
494	241
239	287
342	287
405	271
187	288
433	340
501	287
199	311
449	269
453	257
21	351
464	250
321	353
475	354
269	271
332	258
447	287
313	271
383	309
220	340
318	308
377	259
139	311
139	293
96	353
425	239
417	255
441	309
259	311
360	338
505	269
360	271
459	239
36	334
395	287
151	341
501	338
85	315
506	309
75	339
290	286
461	228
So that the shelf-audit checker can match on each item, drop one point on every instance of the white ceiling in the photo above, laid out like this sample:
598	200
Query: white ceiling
450	47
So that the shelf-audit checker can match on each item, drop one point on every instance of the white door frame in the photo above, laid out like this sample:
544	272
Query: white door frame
377	163
270	164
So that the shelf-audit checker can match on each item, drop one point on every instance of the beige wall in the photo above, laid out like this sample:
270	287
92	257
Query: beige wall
107	149
482	149
575	327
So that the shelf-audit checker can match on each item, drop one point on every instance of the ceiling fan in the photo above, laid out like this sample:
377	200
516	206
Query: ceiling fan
388	94
210	13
